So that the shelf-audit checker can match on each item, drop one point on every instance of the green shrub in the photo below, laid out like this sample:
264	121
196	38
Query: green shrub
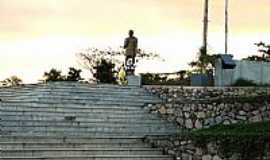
244	83
248	141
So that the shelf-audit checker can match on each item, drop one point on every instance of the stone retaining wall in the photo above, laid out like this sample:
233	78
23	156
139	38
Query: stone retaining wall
226	149
196	108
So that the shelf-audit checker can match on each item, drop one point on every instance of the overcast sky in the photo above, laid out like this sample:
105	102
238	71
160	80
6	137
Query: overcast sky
36	35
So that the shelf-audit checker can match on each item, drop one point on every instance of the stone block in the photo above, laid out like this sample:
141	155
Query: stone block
134	80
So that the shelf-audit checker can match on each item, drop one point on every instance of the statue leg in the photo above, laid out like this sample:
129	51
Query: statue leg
133	60
126	59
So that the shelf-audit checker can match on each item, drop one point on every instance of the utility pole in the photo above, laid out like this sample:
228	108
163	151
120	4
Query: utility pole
205	26
226	25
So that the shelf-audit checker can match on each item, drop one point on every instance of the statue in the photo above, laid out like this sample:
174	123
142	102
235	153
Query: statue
130	45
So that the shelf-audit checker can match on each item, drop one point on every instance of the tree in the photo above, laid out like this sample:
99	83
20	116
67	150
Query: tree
105	72
53	75
96	60
12	81
74	74
264	49
205	62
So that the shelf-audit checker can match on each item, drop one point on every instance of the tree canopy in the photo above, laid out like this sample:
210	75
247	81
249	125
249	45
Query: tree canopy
264	50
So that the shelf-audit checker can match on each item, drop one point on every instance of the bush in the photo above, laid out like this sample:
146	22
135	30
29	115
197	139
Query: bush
74	74
248	141
105	72
12	81
244	83
53	75
156	79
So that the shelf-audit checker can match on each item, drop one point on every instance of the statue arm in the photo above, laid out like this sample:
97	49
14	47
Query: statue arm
125	43
136	43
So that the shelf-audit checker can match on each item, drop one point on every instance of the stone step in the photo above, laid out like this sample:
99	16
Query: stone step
101	139
82	95
73	121
63	123
73	85
77	128
79	114
83	145
79	151
108	110
74	105
76	94
63	93
140	134
73	132
90	100
24	89
95	157
70	101
79	119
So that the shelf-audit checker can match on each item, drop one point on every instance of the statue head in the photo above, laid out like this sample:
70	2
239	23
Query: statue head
131	33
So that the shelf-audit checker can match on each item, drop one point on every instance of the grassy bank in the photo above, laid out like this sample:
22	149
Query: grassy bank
254	129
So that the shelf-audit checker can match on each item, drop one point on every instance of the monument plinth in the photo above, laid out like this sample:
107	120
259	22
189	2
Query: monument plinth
134	80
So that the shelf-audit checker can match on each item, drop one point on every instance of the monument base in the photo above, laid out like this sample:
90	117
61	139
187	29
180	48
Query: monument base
134	80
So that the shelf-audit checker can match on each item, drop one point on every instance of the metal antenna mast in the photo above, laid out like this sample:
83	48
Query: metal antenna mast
226	25
205	26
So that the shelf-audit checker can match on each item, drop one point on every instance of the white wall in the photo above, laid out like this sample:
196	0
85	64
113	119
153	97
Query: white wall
259	72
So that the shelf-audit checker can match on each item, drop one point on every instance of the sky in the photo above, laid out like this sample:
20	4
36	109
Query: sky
37	35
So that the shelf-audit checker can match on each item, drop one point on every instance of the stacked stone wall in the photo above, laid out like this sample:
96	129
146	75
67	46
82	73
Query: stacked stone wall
196	108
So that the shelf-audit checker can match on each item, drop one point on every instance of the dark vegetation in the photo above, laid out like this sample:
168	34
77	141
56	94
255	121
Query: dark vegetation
246	141
56	75
241	129
12	81
248	83
244	83
105	72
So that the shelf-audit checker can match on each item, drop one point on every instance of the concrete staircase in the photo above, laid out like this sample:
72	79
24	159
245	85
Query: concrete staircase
73	121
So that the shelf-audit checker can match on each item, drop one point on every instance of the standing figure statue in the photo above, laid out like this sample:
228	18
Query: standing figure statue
130	45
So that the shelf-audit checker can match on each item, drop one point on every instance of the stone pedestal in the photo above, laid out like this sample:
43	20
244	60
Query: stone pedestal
134	80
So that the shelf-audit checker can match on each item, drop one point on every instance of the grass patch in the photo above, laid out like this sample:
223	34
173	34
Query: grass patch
241	129
247	141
